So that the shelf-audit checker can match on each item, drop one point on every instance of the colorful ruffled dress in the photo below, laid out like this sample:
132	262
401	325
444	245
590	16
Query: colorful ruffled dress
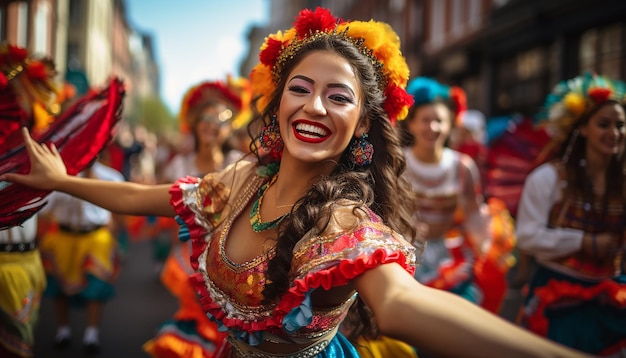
189	333
573	299
474	255
231	292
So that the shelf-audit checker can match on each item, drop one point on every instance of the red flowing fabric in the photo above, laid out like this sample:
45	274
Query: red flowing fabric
511	157
80	133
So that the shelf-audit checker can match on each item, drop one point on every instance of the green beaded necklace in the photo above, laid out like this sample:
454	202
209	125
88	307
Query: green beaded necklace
255	214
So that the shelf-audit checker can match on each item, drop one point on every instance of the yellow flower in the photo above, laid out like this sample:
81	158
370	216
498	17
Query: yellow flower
574	103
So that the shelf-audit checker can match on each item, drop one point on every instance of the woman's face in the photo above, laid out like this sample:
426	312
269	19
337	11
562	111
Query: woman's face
605	130
320	108
431	125
214	125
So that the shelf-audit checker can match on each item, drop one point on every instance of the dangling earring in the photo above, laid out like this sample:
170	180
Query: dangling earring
570	146
271	141
361	151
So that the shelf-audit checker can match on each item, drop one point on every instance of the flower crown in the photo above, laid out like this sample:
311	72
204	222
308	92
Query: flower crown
376	40
572	99
427	90
32	80
579	95
199	95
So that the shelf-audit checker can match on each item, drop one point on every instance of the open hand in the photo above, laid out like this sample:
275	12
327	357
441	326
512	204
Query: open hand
47	169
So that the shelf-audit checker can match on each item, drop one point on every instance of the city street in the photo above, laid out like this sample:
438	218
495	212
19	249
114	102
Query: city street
130	318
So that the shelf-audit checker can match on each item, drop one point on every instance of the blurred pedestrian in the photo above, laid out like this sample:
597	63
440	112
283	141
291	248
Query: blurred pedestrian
468	137
466	253
572	216
208	113
81	257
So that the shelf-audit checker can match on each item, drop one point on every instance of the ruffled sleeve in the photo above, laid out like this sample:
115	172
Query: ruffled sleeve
201	204
351	244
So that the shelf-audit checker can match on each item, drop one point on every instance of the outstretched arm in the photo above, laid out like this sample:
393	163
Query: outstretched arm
48	172
443	323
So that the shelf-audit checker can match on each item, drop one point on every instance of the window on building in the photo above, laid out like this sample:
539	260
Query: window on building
610	51
530	63
437	24
76	12
600	51
587	52
17	23
458	20
475	13
42	14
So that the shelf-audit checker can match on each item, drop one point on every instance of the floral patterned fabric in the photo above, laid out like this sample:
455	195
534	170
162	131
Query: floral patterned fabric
231	293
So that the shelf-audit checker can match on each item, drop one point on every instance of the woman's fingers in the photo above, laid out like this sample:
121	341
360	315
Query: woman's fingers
54	150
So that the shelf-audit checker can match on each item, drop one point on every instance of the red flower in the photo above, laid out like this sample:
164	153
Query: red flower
270	54
215	89
396	99
17	54
310	21
36	71
599	95
457	95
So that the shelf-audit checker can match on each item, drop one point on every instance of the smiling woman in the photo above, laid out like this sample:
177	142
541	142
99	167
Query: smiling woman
571	218
349	238
316	117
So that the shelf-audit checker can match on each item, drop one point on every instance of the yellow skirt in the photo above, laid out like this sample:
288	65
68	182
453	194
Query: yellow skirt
22	280
71	258
384	347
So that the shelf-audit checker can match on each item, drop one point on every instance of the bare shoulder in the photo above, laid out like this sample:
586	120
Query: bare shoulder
467	163
342	215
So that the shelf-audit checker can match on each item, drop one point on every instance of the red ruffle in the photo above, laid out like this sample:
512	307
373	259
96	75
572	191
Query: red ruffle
79	133
609	292
196	230
337	275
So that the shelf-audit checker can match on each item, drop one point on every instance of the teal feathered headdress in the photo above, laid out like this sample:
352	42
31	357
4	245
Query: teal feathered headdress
573	99
427	90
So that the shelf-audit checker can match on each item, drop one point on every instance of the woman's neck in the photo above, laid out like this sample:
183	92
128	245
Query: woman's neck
596	165
428	155
296	178
209	158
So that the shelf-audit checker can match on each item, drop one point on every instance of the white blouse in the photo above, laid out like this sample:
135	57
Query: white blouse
541	190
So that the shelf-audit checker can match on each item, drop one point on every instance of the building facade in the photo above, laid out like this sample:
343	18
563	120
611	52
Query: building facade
90	41
506	54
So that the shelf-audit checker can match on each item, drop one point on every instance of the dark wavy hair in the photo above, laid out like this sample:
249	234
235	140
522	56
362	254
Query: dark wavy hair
572	155
379	186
